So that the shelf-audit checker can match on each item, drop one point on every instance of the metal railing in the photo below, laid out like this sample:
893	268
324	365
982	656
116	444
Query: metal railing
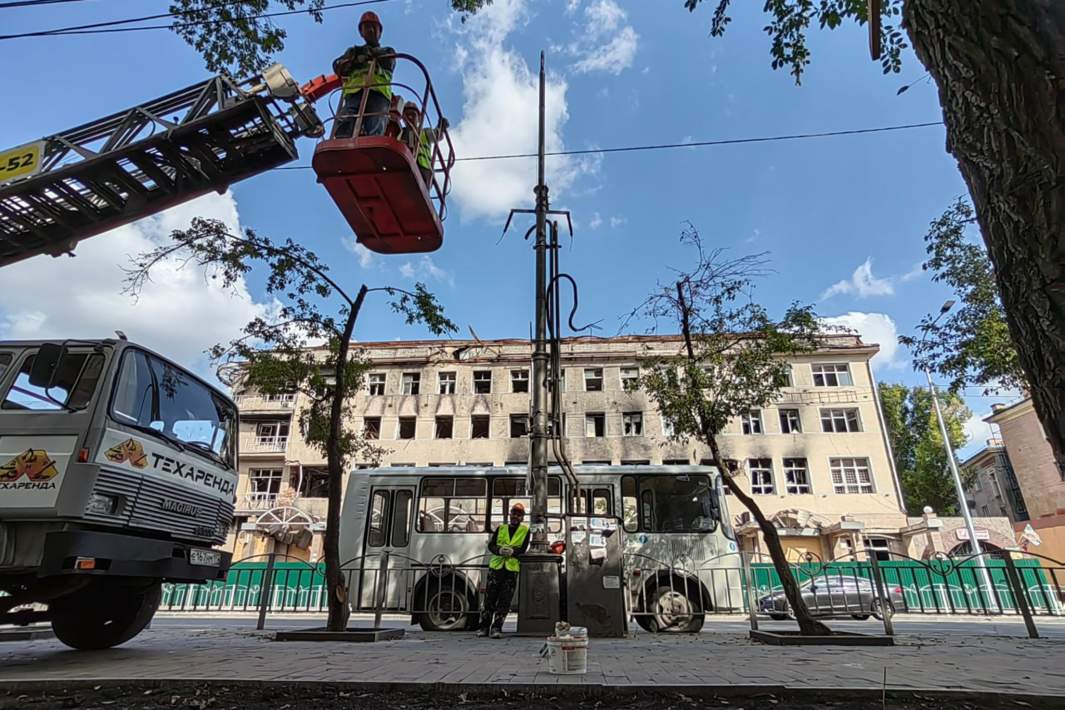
663	596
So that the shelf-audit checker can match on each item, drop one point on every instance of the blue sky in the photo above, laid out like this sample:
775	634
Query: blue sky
841	217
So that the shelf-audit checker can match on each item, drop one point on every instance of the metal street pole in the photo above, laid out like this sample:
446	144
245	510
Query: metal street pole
538	415
960	490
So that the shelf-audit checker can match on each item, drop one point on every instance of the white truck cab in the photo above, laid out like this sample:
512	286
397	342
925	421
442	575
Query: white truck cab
117	472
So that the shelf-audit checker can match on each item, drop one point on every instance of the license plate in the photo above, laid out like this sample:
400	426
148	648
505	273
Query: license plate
208	558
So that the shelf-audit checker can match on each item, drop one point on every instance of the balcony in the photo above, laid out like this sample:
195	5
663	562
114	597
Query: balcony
265	403
257	502
254	444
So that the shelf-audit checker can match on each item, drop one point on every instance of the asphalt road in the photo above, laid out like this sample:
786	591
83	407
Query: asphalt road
904	624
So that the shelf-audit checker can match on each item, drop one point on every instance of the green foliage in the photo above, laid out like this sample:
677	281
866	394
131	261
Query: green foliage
790	21
231	35
972	346
917	445
739	355
468	7
271	355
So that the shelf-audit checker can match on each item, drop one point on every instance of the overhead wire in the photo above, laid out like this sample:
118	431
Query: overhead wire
693	144
110	26
32	3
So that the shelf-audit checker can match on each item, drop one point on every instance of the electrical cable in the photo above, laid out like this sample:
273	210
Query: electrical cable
32	3
695	144
109	26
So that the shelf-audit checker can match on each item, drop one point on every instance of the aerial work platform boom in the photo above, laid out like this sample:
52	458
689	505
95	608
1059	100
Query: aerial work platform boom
110	172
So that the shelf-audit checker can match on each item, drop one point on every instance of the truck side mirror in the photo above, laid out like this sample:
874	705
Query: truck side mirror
46	364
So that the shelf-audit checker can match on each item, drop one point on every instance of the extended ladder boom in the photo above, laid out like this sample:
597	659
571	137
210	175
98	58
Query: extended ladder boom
137	162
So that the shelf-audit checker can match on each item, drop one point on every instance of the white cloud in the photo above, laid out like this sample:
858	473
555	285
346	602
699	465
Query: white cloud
606	43
915	273
977	430
500	95
616	222
181	312
876	328
862	283
364	255
596	221
426	269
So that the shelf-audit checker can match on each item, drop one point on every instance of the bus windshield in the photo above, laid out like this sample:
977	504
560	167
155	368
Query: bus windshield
670	504
153	395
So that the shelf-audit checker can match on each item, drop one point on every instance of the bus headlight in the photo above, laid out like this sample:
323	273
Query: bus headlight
102	504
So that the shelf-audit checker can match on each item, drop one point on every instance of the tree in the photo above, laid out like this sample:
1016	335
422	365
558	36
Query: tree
917	445
734	359
997	66
272	356
973	345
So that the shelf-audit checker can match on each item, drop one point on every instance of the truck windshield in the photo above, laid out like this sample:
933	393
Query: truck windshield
669	503
152	394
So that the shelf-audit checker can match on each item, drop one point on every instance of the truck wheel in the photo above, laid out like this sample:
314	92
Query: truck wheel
104	616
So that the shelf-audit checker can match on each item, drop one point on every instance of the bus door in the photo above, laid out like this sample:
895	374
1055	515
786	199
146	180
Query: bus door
388	529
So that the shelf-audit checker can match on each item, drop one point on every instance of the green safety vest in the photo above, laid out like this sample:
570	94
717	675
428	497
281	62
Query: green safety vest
504	539
360	78
425	150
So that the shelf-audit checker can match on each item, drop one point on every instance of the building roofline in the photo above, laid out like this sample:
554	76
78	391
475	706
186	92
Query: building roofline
997	415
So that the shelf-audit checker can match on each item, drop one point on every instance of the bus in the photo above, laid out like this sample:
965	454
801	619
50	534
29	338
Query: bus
432	527
117	473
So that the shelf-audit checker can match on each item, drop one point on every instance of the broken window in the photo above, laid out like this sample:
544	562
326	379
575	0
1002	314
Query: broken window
519	380
313	482
632	423
519	426
595	425
263	485
840	420
482	381
479	424
790	422
444	426
796	476
761	471
375	381
630	378
752	422
832	375
447	382
407	426
412	382
593	379
371	428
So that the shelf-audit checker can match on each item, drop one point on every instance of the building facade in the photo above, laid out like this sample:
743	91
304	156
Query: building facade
1041	481
817	459
994	489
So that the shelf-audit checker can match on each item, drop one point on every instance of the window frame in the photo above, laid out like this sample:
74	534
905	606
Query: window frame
791	487
594	416
411	383
834	374
635	479
593	378
868	467
761	488
834	417
787	425
479	379
632	381
484	499
446	382
399	428
630	423
514	418
373	383
366	430
751	420
519	381
447	419
255	474
487	418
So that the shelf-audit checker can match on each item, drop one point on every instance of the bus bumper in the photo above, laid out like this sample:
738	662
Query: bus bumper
88	552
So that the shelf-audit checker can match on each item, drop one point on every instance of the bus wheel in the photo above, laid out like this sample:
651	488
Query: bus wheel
104	616
447	609
673	611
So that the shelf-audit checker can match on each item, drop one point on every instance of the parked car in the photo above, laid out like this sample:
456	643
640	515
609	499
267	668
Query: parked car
835	595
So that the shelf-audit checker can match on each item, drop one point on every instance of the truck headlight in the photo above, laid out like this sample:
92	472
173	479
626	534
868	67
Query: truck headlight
103	504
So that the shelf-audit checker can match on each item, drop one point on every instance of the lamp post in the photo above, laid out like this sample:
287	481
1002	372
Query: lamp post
958	488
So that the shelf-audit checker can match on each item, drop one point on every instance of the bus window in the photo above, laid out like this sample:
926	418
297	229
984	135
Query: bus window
677	504
455	505
628	503
375	536
508	491
401	519
594	501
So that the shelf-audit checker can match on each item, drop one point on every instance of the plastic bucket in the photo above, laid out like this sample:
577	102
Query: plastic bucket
567	655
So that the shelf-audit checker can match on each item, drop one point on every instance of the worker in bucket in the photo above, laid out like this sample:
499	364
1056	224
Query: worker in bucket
506	543
423	148
354	68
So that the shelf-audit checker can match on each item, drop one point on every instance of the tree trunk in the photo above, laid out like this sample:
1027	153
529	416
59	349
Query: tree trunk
1000	69
339	609
808	626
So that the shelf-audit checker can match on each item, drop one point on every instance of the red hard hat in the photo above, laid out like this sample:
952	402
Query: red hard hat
369	17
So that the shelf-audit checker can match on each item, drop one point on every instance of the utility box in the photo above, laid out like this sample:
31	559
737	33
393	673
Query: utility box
539	594
595	590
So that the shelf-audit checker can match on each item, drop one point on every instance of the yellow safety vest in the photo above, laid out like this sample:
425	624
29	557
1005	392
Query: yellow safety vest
360	78
504	539
425	150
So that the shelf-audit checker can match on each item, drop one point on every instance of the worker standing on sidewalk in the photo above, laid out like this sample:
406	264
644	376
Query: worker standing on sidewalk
506	543
354	68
